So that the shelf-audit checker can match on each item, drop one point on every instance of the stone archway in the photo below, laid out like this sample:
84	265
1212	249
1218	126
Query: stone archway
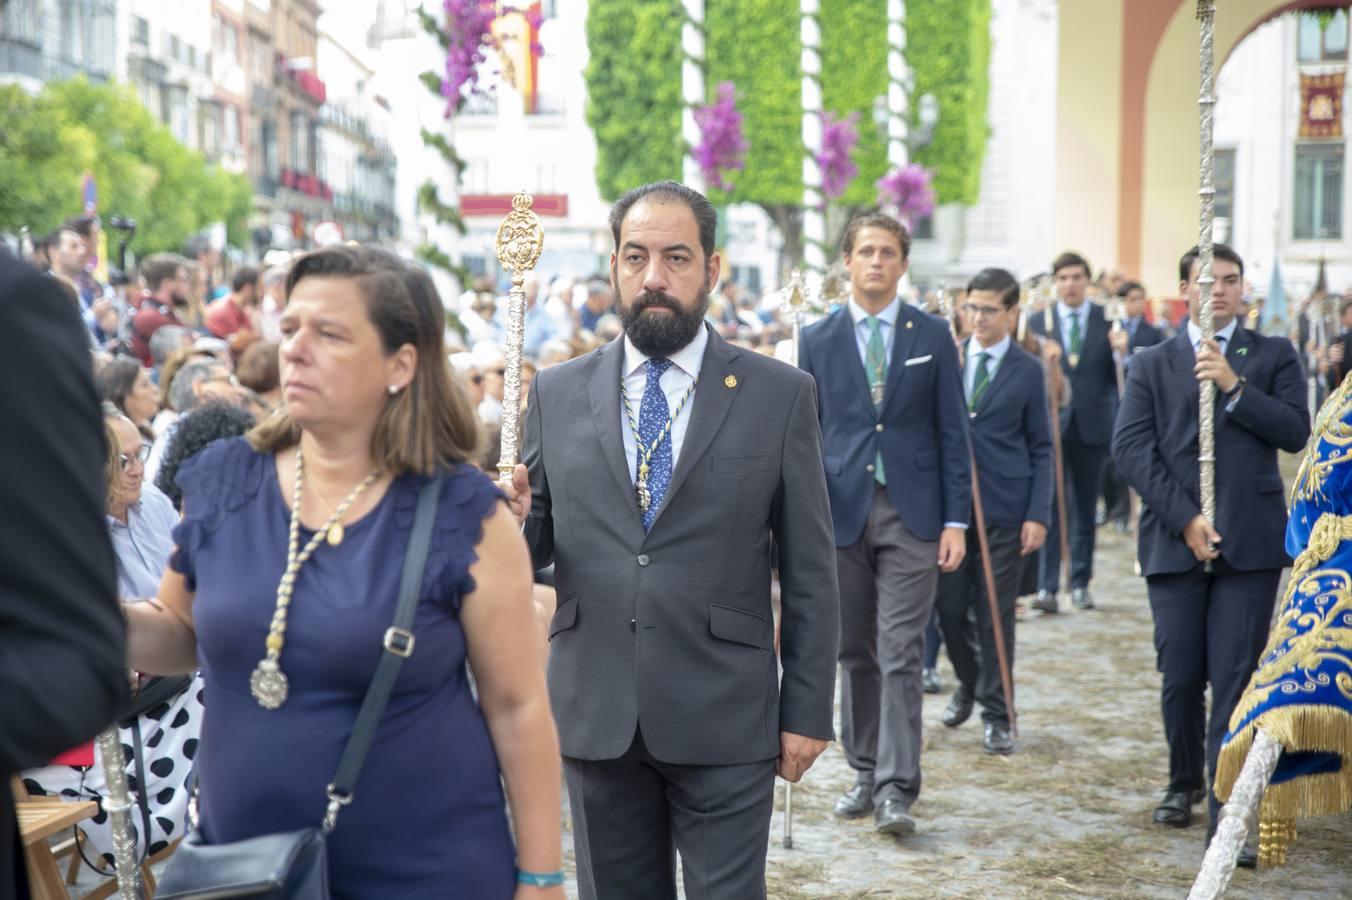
1127	134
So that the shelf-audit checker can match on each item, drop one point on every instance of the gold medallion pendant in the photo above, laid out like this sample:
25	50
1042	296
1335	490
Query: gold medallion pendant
1074	360
336	534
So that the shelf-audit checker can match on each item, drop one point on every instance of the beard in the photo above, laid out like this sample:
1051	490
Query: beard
659	335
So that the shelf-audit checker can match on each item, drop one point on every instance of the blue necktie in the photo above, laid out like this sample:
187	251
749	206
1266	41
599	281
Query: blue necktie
653	415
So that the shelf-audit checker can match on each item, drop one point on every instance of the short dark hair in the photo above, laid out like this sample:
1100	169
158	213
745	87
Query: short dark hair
245	276
81	225
160	267
999	282
876	220
1129	286
1218	251
259	368
1068	259
706	217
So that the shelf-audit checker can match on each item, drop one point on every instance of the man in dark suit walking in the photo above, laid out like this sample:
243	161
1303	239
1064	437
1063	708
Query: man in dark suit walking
662	467
1012	443
1086	424
897	468
62	640
1211	587
1140	334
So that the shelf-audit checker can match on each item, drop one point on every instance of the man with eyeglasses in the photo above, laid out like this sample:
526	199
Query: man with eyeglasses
141	519
1012	444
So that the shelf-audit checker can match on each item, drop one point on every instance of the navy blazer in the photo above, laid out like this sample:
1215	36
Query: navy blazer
921	430
1146	335
1155	446
1012	439
1093	381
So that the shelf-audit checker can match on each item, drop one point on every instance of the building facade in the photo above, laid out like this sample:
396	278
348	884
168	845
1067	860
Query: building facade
44	40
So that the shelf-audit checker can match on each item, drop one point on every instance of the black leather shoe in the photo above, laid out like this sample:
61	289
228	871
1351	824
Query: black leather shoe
892	818
1081	597
1248	859
930	681
856	802
1045	601
997	739
1175	810
959	708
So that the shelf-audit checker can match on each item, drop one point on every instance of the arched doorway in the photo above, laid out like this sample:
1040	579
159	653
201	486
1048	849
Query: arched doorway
1127	133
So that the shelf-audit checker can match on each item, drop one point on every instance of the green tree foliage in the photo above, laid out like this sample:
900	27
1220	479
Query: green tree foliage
634	91
48	143
634	81
949	47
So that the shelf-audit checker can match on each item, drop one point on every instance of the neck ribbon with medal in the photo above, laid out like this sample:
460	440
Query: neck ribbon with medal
645	453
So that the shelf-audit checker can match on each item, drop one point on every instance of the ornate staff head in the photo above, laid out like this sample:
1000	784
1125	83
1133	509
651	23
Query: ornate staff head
521	237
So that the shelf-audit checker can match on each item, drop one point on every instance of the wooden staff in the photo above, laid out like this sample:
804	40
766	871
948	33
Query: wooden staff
979	522
520	240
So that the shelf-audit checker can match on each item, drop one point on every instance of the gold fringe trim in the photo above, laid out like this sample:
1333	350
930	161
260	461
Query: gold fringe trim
1325	729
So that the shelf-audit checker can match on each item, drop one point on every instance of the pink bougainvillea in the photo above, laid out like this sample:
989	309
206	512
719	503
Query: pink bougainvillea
722	148
908	189
839	139
469	30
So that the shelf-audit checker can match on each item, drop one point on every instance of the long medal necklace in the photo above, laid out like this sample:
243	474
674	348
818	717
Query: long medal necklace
269	683
645	454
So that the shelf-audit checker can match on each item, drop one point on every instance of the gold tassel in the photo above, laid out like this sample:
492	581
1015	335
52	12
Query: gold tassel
1274	836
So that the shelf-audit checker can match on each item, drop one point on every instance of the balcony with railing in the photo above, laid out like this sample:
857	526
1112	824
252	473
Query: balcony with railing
19	57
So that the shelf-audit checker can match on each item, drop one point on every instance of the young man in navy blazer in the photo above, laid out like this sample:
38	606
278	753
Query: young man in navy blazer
1012	442
1140	334
1211	585
1086	424
897	471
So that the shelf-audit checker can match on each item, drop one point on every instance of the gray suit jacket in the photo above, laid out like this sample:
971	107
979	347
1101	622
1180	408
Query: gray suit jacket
672	630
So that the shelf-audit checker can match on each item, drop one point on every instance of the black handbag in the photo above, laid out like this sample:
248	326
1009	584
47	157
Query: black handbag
294	866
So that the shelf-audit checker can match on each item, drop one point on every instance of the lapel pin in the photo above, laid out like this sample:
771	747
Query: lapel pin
1243	351
910	324
730	381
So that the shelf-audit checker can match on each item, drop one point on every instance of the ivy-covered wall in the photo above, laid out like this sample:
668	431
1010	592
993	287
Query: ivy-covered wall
634	83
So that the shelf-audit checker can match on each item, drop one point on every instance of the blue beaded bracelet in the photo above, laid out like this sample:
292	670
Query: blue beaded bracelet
538	879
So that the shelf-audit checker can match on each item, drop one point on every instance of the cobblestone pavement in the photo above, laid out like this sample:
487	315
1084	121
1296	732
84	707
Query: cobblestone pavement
1068	814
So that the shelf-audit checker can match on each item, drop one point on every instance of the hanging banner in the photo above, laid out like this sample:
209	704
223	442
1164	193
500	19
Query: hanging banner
1321	105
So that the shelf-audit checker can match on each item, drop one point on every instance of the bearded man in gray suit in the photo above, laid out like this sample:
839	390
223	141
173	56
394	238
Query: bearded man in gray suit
662	468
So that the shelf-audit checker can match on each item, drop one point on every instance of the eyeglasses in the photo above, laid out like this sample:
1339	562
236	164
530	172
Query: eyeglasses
976	312
142	456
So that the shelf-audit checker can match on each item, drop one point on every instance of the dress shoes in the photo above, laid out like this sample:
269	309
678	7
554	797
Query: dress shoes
1045	601
1081	598
997	739
892	818
1175	810
856	802
959	708
1247	859
1197	796
930	681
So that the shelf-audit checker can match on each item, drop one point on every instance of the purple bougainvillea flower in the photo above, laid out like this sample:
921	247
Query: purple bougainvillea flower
722	147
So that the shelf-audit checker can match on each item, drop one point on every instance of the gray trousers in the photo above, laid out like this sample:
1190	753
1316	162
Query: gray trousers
887	583
631	815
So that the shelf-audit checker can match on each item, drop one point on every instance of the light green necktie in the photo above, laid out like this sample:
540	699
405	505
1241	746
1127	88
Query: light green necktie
875	361
980	382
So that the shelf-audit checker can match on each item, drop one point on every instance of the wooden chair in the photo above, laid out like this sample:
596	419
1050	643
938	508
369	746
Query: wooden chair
42	817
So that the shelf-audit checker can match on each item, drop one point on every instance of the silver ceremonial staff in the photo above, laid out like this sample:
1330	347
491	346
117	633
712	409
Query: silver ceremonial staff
1239	816
520	240
117	803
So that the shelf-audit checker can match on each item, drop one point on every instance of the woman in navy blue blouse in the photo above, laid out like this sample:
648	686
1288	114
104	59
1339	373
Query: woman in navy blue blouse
284	580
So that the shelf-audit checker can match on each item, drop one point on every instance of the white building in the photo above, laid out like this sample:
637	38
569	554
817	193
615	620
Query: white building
45	40
169	62
1280	194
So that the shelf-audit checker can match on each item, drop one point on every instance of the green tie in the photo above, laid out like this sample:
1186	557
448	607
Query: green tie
982	380
1075	332
875	361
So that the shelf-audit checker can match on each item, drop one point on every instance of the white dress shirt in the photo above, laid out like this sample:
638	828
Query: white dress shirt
676	380
887	325
1064	313
974	349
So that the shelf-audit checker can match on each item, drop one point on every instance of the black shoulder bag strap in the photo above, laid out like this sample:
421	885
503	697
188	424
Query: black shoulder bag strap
398	644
